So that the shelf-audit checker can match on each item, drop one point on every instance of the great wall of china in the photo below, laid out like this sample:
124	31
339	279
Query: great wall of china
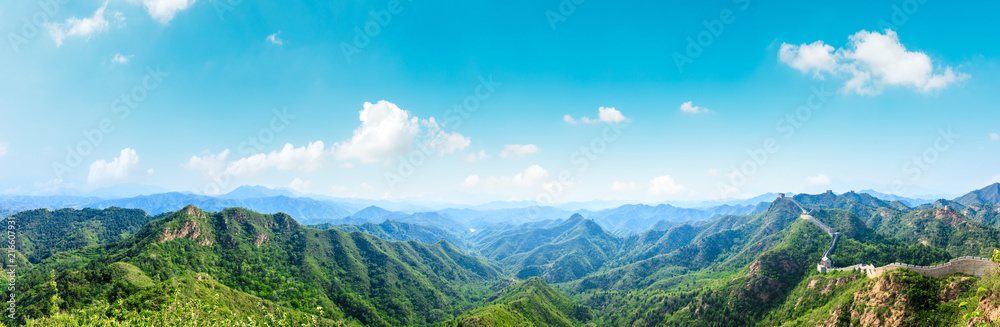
974	266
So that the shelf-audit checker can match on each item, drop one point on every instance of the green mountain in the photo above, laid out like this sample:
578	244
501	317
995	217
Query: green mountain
43	232
570	250
987	195
399	231
529	302
352	277
238	267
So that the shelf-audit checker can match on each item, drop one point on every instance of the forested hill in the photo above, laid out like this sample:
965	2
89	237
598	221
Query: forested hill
193	267
43	232
350	277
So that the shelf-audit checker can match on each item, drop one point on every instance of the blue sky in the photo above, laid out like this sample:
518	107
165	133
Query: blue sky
911	110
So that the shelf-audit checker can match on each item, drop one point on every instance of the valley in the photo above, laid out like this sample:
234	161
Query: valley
123	267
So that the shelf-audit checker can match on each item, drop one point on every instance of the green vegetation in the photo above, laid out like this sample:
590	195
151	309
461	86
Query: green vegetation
330	274
530	302
42	232
119	267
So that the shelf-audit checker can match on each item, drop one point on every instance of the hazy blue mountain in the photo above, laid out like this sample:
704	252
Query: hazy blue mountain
377	215
255	191
635	218
911	202
125	191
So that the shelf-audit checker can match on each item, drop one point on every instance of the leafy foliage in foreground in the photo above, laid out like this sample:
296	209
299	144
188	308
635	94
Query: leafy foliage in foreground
185	301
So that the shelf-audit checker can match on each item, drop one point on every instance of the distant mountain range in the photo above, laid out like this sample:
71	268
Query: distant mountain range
623	220
397	268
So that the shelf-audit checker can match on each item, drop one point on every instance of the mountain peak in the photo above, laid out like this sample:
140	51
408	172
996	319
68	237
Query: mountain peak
989	194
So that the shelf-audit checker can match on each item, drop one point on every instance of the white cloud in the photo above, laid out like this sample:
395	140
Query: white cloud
871	61
622	187
304	158
123	169
604	115
386	132
211	163
164	10
818	180
471	180
994	137
476	156
83	27
664	185
690	108
996	178
273	38
518	150
816	57
3	148
300	185
532	176
443	142
713	171
121	59
366	187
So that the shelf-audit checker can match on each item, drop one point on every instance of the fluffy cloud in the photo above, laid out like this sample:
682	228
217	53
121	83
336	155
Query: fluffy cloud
441	141
273	38
604	115
300	185
518	150
532	176
689	107
3	148
471	180
304	158
818	180
816	57
665	185
622	187
211	164
83	27
164	10
993	137
123	169
386	132
871	61
476	156
121	59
